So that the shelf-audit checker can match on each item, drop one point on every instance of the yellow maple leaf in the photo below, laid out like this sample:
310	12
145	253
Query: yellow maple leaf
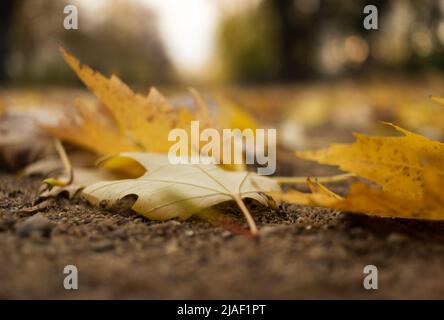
136	122
319	196
94	127
396	163
144	120
168	191
440	100
369	200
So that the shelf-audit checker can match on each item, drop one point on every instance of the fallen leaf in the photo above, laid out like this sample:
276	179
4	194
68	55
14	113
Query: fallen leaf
52	167
21	142
143	122
137	122
82	177
319	196
92	129
396	163
369	200
408	171
168	191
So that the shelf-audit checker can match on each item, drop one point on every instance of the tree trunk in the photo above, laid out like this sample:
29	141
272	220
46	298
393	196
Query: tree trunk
7	9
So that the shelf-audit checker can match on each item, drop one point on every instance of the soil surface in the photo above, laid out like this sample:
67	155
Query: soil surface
302	253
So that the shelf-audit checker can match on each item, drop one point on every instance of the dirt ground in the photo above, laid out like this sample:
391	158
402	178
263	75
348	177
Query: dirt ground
302	253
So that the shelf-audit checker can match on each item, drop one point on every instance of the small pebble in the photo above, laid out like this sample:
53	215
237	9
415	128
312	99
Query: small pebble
264	231
37	224
226	234
356	232
172	223
300	220
395	237
189	233
338	252
103	246
171	247
317	252
6	224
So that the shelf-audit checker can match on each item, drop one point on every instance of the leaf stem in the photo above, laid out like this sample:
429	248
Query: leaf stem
66	164
247	214
302	180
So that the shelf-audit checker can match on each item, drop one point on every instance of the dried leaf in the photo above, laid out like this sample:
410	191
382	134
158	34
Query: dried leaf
374	201
82	177
21	142
168	191
53	167
137	122
143	122
397	164
408	169
319	196
93	130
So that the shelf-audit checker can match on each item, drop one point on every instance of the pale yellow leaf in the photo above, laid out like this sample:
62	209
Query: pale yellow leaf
168	191
53	169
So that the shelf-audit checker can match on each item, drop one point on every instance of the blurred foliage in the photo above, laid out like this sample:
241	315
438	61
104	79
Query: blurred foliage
302	39
109	40
244	45
258	41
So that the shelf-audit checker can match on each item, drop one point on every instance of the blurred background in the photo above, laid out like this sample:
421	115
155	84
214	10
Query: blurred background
306	66
249	41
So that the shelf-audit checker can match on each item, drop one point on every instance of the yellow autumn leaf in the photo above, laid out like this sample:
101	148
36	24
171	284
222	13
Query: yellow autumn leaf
137	122
168	191
96	131
440	100
144	121
319	196
396	163
422	116
232	116
57	180
369	200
